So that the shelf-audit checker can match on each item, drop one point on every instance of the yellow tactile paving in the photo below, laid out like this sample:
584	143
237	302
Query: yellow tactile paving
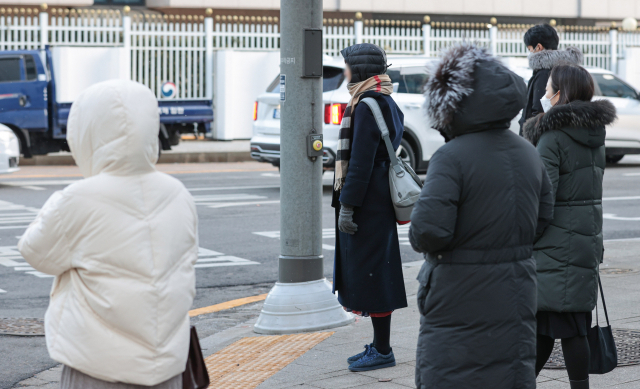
227	305
246	363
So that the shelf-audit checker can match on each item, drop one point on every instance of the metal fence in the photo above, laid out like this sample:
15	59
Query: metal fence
180	47
168	51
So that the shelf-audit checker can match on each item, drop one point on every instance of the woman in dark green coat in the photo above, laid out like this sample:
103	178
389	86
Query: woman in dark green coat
570	139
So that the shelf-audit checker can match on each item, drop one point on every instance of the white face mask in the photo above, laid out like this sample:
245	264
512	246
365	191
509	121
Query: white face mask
546	103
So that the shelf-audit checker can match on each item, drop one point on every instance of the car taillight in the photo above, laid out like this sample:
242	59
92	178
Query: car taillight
327	114
333	113
255	111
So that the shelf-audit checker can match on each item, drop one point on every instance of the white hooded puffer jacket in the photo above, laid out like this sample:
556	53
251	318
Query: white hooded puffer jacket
122	244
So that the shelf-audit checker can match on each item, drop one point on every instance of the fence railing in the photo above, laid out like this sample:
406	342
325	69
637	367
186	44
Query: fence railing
180	47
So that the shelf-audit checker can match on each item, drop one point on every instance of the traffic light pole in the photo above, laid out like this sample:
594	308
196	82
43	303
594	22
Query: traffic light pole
301	300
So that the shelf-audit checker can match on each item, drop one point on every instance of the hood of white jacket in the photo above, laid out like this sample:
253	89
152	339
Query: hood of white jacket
113	128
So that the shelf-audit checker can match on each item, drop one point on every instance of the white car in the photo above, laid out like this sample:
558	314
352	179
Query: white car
9	150
623	136
409	74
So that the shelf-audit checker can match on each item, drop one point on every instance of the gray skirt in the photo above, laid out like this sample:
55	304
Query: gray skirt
73	379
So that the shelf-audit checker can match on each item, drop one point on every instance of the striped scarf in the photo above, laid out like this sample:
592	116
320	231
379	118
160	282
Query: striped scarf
381	84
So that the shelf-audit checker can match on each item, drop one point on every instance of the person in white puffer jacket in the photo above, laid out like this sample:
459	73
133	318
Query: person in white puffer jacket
122	244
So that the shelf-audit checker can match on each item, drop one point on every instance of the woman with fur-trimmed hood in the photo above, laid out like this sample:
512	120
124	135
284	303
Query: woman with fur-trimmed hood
570	138
485	196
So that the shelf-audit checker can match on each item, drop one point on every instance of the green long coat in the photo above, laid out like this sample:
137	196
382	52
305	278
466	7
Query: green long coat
570	140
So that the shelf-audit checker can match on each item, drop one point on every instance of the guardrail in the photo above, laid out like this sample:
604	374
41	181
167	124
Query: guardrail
180	47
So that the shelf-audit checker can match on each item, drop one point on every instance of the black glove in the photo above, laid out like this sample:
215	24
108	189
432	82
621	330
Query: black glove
345	220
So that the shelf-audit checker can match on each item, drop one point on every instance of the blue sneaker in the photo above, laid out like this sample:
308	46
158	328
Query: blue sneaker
360	355
373	360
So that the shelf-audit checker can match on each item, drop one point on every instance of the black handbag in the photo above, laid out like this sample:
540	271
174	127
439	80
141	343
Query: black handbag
195	375
604	356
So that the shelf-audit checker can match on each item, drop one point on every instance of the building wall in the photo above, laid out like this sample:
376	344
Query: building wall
597	9
19	3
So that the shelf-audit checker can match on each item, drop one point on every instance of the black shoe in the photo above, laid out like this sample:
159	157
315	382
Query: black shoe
373	360
584	384
360	355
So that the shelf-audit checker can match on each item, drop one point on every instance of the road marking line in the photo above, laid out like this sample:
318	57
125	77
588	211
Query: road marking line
227	305
622	240
10	257
204	252
225	205
234	188
32	187
328	247
225	197
330	233
25	183
250	361
14	227
217	171
613	216
631	174
3	291
20	219
621	198
40	274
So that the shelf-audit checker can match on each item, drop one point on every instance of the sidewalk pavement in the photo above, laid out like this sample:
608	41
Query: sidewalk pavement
324	365
188	151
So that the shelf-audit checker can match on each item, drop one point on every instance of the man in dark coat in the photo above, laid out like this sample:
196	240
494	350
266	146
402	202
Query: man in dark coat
542	42
486	195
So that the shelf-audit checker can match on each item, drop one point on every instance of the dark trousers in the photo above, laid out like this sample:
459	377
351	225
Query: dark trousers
576	355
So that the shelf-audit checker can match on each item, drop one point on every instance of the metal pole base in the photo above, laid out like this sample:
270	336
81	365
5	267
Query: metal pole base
301	307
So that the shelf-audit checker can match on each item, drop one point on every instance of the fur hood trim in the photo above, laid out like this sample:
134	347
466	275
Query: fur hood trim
578	114
451	82
547	59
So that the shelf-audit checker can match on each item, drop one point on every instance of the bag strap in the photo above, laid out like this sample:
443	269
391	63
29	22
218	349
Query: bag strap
382	126
604	304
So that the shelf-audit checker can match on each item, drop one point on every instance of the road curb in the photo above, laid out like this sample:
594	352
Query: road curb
170	157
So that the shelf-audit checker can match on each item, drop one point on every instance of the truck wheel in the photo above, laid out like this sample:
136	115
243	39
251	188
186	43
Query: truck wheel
614	158
405	153
174	138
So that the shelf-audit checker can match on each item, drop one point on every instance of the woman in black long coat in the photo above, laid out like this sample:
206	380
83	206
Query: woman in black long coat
367	268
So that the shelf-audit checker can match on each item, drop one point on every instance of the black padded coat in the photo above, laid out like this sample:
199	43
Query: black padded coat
486	194
570	139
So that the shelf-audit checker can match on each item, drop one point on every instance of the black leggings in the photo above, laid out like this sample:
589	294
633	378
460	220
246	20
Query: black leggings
576	355
382	334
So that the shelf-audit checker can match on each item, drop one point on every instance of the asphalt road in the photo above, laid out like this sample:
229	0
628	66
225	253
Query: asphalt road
238	208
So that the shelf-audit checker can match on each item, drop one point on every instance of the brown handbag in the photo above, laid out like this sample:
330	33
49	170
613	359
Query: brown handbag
195	375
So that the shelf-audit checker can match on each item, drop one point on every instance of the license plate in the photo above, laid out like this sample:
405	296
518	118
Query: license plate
276	113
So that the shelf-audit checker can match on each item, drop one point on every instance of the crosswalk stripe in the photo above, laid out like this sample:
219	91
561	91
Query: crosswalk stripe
225	205
10	257
330	233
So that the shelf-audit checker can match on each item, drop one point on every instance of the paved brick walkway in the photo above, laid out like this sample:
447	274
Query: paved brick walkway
324	366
